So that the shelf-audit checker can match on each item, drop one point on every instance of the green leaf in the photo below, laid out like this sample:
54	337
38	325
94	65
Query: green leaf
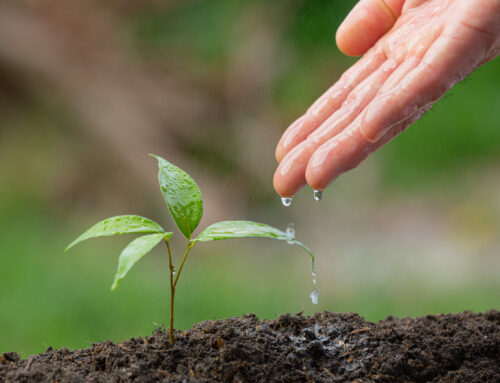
138	248
182	195
246	229
122	224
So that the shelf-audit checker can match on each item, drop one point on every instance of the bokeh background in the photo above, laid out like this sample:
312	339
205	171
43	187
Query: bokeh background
89	88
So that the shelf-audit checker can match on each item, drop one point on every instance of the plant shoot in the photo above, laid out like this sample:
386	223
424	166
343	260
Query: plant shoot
184	201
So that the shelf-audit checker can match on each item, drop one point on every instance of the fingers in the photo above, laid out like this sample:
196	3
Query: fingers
368	107
366	23
347	150
446	62
382	89
290	175
329	102
434	65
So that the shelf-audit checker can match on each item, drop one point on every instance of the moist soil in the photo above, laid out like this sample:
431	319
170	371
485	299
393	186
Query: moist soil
326	347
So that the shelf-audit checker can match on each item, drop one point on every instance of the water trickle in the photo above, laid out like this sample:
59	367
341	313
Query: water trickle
286	201
318	195
315	292
290	231
315	296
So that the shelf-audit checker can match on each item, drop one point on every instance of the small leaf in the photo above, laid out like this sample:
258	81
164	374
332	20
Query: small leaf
138	248
246	229
122	224
182	195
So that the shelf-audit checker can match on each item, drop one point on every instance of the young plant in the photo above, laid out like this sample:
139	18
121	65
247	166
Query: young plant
184	200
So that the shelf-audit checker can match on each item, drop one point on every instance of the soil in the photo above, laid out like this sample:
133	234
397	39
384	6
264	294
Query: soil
326	347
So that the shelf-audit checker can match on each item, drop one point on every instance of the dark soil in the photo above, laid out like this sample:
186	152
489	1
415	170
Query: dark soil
326	347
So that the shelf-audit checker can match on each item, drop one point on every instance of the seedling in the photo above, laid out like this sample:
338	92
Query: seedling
184	200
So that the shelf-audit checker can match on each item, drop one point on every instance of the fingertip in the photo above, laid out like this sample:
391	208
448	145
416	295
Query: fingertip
346	45
284	188
366	23
315	181
278	184
289	177
315	175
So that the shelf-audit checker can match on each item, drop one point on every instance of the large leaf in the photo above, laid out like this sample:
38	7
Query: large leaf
138	248
246	229
122	224
182	195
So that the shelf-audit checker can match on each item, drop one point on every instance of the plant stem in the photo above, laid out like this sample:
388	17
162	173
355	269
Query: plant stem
189	246
173	283
172	293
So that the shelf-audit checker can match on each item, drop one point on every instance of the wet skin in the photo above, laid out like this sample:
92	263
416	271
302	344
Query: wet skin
416	50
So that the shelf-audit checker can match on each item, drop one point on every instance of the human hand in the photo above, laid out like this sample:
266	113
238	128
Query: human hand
429	46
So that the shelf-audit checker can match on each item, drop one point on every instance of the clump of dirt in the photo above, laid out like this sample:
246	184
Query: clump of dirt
326	347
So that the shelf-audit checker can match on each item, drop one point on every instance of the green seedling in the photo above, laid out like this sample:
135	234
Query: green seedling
184	200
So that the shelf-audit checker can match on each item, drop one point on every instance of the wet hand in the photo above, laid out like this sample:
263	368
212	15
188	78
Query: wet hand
416	50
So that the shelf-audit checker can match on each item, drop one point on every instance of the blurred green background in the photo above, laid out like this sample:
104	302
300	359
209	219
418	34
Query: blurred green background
88	89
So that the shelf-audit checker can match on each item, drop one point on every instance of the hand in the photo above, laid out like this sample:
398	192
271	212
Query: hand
416	51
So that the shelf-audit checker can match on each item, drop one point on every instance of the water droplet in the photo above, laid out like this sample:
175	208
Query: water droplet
290	231
315	277
286	201
315	296
318	195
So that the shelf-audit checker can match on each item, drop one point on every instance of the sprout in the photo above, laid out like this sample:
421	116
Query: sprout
185	203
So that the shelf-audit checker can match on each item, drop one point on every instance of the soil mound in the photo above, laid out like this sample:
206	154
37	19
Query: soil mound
326	347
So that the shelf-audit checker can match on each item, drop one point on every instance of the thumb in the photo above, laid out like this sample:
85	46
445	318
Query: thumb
366	23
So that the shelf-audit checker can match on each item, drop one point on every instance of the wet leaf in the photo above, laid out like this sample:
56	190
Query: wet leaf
122	224
246	229
182	195
138	248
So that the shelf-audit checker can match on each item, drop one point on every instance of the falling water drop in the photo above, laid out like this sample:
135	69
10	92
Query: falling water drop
290	231
286	201
315	292
315	296
318	195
